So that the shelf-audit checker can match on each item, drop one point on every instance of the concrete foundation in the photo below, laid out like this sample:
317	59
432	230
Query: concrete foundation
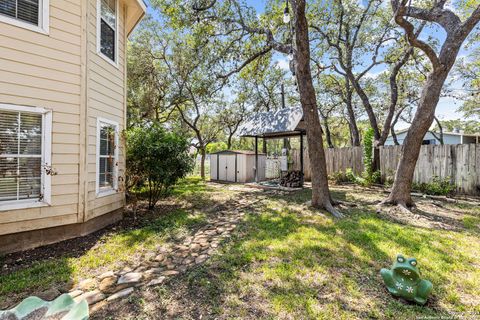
36	238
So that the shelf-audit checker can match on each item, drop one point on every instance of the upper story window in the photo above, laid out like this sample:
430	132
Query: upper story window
24	156
107	25
29	14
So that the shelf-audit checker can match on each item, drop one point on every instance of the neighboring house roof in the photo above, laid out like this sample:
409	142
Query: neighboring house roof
273	123
136	10
445	133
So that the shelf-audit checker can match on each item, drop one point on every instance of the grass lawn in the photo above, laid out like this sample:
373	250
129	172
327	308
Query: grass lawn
293	263
122	244
285	260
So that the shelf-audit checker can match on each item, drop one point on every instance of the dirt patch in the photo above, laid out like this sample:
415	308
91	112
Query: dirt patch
430	214
78	246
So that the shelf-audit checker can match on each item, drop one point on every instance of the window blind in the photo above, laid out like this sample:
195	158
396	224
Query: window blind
20	155
108	25
24	10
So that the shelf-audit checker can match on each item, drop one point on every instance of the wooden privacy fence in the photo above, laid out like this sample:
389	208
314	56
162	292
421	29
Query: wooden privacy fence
460	163
338	160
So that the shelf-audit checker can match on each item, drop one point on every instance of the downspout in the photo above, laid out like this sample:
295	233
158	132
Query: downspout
83	138
124	144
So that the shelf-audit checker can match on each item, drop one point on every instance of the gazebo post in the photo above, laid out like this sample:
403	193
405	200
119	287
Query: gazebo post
301	157
256	158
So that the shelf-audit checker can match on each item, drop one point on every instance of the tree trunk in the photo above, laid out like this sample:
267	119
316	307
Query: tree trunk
229	141
366	104
394	123
391	110
440	129
442	64
352	125
202	162
422	121
328	135
320	192
352	121
376	158
394	136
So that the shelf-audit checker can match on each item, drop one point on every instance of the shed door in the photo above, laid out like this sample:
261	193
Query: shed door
231	168
213	166
222	167
226	167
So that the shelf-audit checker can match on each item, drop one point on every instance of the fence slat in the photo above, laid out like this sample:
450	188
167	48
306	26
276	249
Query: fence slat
460	163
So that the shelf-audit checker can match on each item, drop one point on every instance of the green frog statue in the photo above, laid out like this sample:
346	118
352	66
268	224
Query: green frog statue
403	280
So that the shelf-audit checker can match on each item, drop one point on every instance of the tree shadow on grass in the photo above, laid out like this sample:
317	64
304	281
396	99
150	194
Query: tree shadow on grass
279	265
304	195
34	271
424	219
57	265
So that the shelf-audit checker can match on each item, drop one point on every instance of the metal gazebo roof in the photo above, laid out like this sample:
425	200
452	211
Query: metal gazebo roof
279	123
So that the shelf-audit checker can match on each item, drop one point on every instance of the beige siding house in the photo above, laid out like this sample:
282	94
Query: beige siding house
62	111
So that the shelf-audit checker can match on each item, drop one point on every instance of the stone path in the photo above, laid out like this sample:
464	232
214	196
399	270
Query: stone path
164	262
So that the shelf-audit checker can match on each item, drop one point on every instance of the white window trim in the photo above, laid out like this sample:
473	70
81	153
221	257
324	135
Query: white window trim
106	192
99	17
44	25
46	159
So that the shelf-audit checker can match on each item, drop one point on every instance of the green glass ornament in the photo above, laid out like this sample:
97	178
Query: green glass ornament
62	308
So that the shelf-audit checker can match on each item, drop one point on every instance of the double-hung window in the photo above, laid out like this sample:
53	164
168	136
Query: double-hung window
107	157
24	156
30	14
107	25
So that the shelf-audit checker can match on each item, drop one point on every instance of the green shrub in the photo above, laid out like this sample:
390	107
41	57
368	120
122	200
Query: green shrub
389	178
350	176
337	177
438	187
156	160
364	180
342	177
369	176
368	151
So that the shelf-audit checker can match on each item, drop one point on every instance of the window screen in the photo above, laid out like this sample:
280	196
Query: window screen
20	156
107	156
24	10
108	25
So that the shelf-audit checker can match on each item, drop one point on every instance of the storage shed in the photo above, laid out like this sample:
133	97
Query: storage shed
236	166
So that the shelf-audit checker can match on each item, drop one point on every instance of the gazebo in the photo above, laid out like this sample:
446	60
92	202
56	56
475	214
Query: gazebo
282	123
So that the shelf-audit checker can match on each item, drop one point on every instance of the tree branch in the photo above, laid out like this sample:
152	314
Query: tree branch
446	18
246	62
400	11
470	23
